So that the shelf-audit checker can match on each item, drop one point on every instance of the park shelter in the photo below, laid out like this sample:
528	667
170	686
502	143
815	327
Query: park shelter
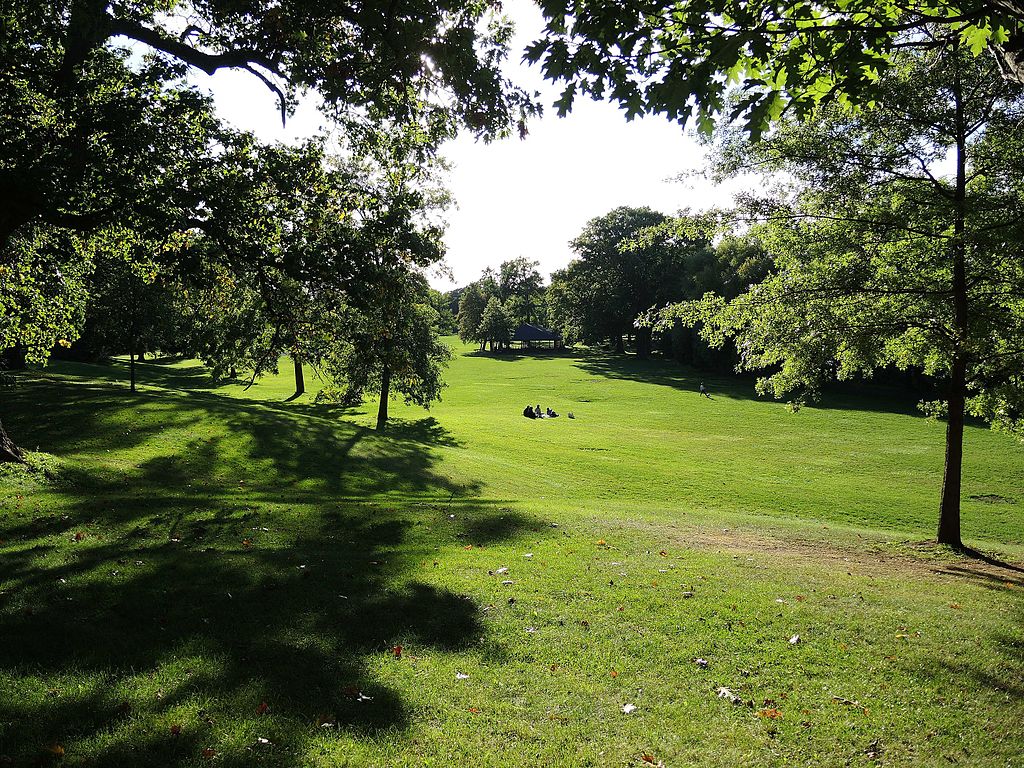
531	336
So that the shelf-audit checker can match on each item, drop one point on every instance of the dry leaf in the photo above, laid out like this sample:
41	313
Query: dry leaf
628	708
602	543
262	708
175	730
397	651
725	693
474	710
209	753
614	673
770	713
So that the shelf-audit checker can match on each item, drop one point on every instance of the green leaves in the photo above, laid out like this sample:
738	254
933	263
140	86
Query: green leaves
682	58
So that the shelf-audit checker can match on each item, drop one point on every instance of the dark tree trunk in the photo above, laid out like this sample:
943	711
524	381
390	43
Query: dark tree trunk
300	379
619	346
131	367
949	504
643	342
385	393
8	450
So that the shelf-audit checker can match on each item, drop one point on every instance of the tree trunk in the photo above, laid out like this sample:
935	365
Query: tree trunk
8	450
949	504
619	346
300	379
643	342
131	367
385	393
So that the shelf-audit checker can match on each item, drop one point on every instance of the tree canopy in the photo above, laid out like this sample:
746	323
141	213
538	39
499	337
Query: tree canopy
898	244
682	58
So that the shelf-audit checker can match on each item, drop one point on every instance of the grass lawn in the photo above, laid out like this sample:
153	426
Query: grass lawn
205	575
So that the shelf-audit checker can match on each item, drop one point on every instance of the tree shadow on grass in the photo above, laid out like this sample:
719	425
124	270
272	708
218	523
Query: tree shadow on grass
863	396
223	555
511	355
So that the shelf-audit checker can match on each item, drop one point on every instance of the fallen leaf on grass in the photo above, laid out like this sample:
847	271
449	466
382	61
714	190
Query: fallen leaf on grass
474	710
663	553
628	708
246	543
603	543
176	730
503	569
614	673
461	676
800	598
397	651
56	749
732	698
794	639
81	535
209	753
702	663
770	713
263	708
262	742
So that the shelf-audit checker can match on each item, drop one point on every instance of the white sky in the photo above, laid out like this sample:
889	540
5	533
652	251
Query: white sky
523	197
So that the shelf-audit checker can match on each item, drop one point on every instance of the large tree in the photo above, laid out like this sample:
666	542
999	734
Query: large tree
682	58
626	264
900	244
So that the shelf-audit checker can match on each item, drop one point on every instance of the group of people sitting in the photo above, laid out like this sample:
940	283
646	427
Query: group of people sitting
536	413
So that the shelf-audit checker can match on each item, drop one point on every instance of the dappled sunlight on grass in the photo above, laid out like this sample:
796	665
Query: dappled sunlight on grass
205	575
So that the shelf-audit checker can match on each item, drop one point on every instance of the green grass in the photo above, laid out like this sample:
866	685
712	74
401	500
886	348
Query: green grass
195	551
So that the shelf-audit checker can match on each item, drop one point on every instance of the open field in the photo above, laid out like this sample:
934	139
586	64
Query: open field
204	567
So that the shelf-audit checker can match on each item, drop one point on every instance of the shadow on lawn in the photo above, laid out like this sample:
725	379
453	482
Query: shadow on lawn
226	570
668	373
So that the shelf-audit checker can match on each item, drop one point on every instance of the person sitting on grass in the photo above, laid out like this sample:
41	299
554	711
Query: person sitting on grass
528	413
551	413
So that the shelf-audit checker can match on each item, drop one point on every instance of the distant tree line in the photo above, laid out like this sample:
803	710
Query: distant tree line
629	262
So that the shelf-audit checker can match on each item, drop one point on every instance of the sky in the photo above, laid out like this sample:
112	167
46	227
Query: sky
523	197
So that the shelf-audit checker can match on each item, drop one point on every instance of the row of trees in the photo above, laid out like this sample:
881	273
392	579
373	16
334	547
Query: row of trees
629	262
492	307
121	183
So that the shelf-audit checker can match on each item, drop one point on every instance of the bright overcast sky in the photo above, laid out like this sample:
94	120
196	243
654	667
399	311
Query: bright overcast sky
523	197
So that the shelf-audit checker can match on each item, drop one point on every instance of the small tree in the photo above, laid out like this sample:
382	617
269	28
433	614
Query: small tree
495	325
391	345
471	311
